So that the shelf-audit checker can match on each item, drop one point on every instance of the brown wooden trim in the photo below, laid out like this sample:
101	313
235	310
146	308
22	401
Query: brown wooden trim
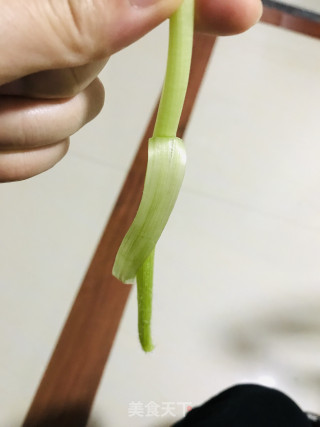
68	387
290	22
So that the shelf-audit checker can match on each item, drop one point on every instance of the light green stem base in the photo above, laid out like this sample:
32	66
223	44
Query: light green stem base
144	289
165	170
170	108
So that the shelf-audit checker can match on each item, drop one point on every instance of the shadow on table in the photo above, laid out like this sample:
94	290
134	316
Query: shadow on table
283	337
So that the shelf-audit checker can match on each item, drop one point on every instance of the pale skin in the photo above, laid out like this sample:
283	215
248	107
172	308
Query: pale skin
51	52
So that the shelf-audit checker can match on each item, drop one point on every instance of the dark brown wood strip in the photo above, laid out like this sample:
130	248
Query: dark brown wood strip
69	384
291	22
291	9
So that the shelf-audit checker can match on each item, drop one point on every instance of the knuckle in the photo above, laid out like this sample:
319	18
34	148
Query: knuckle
86	28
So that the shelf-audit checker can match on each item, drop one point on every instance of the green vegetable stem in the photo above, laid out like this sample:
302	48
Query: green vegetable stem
165	172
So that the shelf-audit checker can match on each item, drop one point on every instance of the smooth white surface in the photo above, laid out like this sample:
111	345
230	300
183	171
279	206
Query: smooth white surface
237	282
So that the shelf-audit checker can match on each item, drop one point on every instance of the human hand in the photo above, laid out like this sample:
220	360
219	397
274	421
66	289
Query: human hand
51	54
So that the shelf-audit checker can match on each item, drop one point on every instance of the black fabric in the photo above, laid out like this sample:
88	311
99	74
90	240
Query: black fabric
247	405
314	418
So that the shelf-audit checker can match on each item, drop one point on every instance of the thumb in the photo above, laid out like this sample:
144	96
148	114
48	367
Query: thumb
40	35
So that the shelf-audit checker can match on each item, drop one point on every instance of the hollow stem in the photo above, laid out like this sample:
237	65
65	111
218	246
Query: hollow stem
168	117
177	72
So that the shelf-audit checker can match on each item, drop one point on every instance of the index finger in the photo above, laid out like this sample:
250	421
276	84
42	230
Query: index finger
40	35
223	17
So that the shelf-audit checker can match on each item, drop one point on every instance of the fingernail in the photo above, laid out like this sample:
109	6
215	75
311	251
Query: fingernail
142	3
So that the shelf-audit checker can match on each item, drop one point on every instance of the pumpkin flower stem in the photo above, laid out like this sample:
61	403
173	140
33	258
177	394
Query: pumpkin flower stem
165	172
